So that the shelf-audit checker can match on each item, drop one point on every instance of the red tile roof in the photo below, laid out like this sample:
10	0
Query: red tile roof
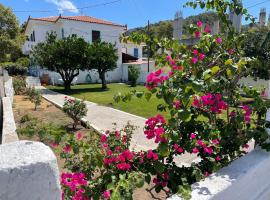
78	18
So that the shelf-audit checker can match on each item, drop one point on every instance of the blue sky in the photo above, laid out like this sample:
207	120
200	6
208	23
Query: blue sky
134	13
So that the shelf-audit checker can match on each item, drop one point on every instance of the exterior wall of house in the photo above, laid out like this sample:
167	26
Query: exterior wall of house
108	33
128	48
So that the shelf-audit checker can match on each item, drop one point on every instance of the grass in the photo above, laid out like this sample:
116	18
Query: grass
94	93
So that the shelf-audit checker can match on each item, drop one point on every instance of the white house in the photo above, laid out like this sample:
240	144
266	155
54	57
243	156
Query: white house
89	28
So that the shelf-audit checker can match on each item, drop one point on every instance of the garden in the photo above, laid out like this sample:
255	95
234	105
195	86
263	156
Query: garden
205	116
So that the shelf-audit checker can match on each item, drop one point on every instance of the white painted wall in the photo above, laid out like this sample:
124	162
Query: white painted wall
143	69
9	127
244	179
128	48
28	171
259	84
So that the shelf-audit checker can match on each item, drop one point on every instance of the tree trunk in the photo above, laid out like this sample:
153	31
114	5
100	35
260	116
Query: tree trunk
103	80
67	85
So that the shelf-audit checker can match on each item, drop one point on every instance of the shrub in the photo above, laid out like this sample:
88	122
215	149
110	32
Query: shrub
19	85
34	96
18	68
76	109
133	75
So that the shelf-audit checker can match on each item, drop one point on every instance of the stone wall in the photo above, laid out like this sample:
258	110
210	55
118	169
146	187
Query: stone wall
28	171
245	179
9	127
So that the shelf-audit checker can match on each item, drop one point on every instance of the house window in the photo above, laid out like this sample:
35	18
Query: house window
136	52
63	33
95	36
34	36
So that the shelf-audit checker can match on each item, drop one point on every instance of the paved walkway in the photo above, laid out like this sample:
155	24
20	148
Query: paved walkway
102	118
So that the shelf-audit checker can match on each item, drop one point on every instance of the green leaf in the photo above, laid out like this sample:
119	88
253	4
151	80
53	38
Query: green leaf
229	62
215	69
148	96
184	115
148	178
163	149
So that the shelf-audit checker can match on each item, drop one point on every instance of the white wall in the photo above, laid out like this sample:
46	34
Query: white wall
129	49
244	179
28	171
259	84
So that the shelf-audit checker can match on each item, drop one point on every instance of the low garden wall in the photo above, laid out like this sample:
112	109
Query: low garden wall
9	127
28	171
245	179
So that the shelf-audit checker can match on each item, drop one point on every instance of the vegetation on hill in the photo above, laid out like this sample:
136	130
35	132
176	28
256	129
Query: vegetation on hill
164	29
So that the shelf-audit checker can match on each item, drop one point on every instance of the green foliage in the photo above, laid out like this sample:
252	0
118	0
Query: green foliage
65	56
133	75
32	127
76	109
18	68
10	37
257	45
102	56
34	96
19	85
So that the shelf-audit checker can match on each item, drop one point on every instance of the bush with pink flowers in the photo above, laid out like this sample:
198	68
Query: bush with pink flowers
208	118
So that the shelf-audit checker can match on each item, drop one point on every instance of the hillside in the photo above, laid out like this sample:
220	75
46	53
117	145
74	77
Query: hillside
165	28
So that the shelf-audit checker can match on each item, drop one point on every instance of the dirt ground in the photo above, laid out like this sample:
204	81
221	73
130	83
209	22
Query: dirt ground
49	113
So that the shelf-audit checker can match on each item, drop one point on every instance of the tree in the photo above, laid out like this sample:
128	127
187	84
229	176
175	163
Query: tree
11	39
102	56
257	45
65	56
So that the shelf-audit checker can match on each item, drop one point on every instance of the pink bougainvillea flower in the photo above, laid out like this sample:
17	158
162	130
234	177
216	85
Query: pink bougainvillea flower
176	68
158	72
231	51
170	73
232	114
103	138
199	23
208	150
201	56
79	136
263	93
245	146
207	29
173	62
218	158
206	173
106	194
168	57
154	128
201	143
197	34
192	136
194	60
196	102
248	113
195	150
195	51
219	40
67	149
123	166
215	141
54	144
152	155
177	104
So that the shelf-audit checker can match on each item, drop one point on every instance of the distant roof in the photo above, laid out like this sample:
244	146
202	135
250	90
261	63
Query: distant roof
87	19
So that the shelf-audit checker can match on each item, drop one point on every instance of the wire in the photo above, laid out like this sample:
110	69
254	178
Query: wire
81	8
257	4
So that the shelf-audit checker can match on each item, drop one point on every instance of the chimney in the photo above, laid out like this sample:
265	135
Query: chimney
178	26
262	20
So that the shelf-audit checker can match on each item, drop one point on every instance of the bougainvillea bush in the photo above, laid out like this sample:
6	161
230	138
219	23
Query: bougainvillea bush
76	109
208	118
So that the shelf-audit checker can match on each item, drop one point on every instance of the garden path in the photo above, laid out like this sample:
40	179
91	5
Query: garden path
103	118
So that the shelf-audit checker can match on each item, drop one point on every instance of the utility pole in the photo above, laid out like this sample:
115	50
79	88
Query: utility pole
148	46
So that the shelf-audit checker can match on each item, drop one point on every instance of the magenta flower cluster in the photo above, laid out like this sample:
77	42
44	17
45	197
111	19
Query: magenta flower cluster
76	183
155	128
210	101
155	78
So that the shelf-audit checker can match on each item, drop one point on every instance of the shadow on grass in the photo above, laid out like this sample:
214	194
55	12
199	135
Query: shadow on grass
75	91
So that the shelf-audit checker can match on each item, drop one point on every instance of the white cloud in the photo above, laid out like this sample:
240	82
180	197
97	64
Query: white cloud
64	5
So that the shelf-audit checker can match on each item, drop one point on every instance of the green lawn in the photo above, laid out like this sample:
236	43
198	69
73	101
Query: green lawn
94	93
